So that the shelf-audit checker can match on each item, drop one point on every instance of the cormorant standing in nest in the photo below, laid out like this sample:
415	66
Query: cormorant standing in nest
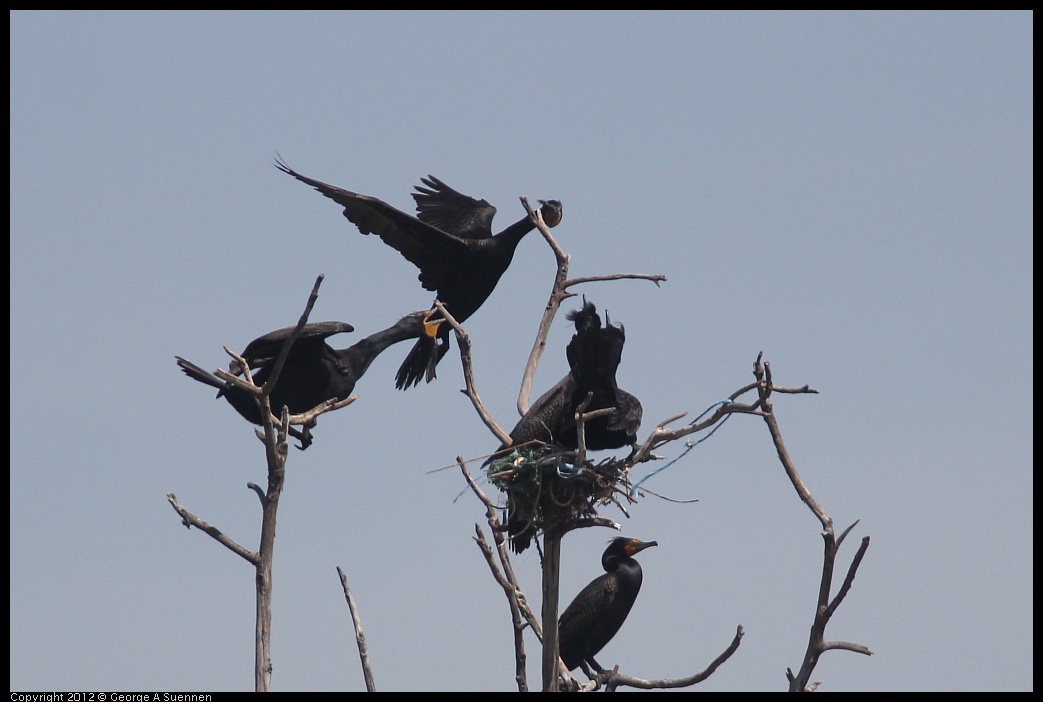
602	606
450	241
314	371
594	354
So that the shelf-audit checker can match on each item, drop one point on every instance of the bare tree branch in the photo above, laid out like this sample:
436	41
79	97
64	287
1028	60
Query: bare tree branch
517	620
360	638
280	361
846	586
661	435
559	293
509	585
825	609
308	418
655	278
586	522
521	613
763	373
190	520
464	341
614	679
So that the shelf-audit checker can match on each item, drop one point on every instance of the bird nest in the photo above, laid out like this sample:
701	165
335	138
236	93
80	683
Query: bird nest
561	493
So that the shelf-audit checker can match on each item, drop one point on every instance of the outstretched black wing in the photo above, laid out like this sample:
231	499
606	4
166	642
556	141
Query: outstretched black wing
452	211
427	247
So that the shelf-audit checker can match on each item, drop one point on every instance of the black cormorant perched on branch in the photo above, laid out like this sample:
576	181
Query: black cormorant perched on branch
450	241
314	371
593	354
594	617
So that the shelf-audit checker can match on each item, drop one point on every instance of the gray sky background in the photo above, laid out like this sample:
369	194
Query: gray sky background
850	193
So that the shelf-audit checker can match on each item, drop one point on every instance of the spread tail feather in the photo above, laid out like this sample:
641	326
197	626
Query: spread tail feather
196	373
420	362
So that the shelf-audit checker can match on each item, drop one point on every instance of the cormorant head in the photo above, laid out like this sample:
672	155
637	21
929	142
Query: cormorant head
586	317
551	211
621	548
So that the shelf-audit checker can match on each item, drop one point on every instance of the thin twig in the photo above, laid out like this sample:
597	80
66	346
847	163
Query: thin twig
464	341
520	612
190	520
557	295
360	638
616	679
656	278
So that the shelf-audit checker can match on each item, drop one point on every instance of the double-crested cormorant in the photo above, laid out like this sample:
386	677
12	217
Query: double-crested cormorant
314	371
594	617
450	241
594	354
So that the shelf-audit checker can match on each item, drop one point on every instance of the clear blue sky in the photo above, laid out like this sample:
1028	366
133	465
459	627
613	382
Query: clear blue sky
850	193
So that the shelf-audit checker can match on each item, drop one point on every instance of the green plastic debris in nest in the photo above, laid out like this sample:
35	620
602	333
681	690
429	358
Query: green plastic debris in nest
539	468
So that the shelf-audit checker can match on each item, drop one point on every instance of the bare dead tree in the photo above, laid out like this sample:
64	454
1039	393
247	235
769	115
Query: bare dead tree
817	644
521	614
551	664
274	432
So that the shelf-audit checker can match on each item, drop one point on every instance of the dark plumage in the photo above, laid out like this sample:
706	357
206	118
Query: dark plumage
314	371
450	241
594	354
597	612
